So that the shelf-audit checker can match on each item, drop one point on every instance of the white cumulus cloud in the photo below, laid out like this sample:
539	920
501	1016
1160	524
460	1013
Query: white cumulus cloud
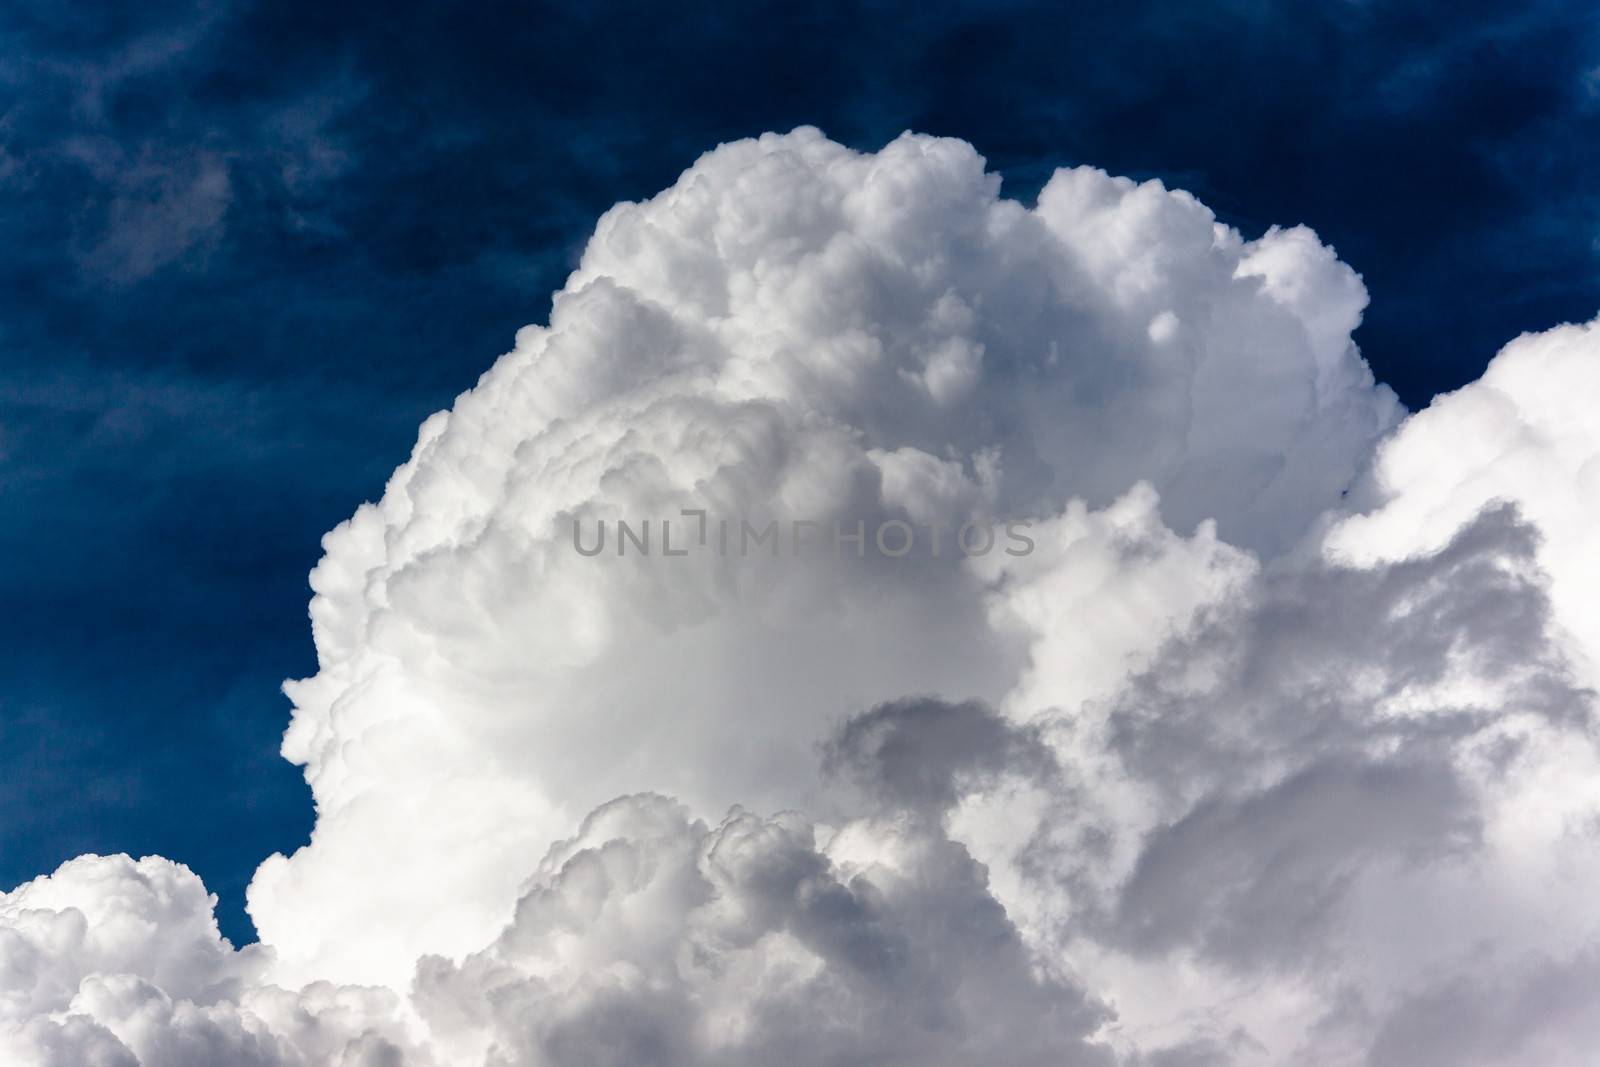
793	331
1264	733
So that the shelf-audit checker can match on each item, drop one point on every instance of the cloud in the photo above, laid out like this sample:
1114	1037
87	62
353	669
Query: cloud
650	937
145	172
1277	745
1522	434
1348	786
767	341
923	754
1538	1012
116	962
653	939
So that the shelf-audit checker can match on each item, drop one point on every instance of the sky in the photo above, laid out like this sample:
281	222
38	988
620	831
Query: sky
248	249
1264	340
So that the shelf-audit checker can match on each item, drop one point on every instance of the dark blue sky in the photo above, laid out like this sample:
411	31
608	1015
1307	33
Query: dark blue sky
247	248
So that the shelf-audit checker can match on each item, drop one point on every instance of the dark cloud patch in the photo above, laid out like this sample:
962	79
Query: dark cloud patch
923	753
1313	734
1257	881
1539	1012
1305	673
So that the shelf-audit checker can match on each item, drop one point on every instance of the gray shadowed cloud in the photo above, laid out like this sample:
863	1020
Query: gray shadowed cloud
654	940
922	753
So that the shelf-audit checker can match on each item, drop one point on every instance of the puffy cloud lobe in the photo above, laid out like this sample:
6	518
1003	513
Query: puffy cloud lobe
116	962
1230	769
114	915
652	938
1522	434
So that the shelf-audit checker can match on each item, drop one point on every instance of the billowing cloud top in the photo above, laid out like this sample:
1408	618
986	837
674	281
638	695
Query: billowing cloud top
1051	647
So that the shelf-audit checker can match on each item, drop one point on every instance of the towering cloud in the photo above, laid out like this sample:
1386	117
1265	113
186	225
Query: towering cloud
1264	735
794	331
